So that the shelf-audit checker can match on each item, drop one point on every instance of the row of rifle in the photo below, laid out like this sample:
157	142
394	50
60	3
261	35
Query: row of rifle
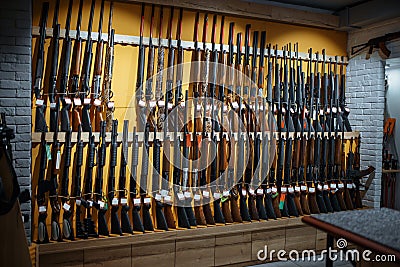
310	171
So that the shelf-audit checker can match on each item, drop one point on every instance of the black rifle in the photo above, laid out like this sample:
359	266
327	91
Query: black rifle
63	74
85	75
90	227
67	222
136	220
97	71
53	192
108	72
40	121
42	188
147	220
52	62
112	196
345	111
78	157
100	199
75	68
125	222
140	104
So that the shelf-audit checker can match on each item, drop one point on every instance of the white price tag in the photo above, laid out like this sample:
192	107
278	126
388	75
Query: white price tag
326	187
291	190
319	187
314	115
77	101
244	192
340	185
283	110
42	209
97	102
158	197
168	199
53	105
152	104
78	202
188	194
101	204
225	193
274	189
198	107
260	191
311	189
235	105
196	197
124	201
58	160
39	102
297	188
114	201
182	104
206	194
180	196
110	104
217	195
136	201
225	108
170	106
66	207
349	186
164	192
86	101
251	191
90	203
334	109
141	103
146	200
333	186
67	100
303	188
283	189
269	190
161	103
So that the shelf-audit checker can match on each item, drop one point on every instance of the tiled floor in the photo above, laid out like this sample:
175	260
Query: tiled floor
306	263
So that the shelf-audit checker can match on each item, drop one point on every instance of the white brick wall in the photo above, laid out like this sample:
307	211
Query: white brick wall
366	98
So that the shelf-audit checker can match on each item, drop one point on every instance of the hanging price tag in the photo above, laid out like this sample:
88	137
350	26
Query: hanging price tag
311	189
333	186
297	188
78	202
303	188
188	194
158	197
114	201
244	192
110	105
290	190
197	197
349	186
340	185
136	201
260	191
67	100
77	101
206	194
90	203
217	195
225	193
319	187
101	204
146	200
152	104
180	196
326	187
124	201
274	190
42	209
225	108
66	206
235	105
161	103
168	199
39	102
182	104
170	106
164	192
97	102
283	190
141	103
251	191
53	105
86	101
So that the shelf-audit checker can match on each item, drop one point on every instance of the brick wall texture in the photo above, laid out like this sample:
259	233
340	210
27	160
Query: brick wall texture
15	86
366	98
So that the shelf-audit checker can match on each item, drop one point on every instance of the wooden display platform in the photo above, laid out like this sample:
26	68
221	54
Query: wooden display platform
234	244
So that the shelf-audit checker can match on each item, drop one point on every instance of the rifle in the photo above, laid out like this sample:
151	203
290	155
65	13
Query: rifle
244	212
67	223
40	121
75	68
140	104
108	72
147	220
159	77
88	193
115	225
125	222
311	142
98	69
53	192
149	79
324	147
136	220
63	72
100	199
78	157
215	186
52	62
349	197
317	140
345	111
42	188
85	75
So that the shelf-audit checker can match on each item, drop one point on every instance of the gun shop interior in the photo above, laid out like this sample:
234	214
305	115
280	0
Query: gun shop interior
205	133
